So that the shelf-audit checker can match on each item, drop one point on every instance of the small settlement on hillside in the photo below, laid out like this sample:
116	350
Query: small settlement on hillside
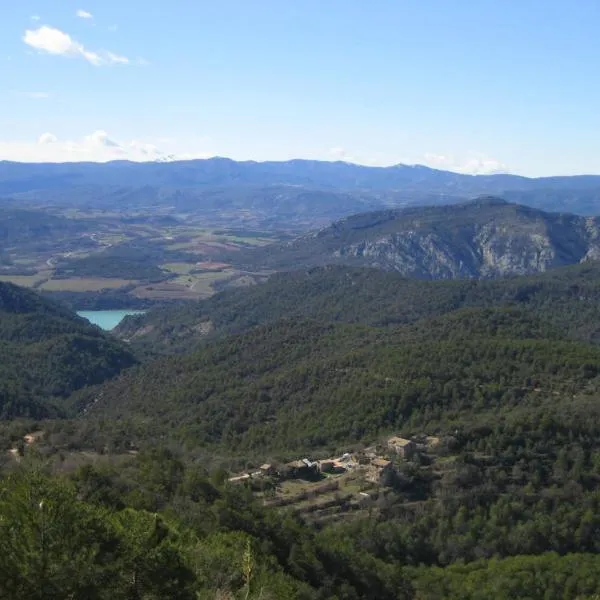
375	462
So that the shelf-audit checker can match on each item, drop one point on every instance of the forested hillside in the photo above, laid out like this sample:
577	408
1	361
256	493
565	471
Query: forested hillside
48	352
513	403
568	297
23	226
503	376
298	385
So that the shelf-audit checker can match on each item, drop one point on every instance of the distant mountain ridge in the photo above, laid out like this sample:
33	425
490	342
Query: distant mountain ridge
486	238
274	186
17	177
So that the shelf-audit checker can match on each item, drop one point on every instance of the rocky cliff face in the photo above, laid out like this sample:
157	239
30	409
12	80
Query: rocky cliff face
482	239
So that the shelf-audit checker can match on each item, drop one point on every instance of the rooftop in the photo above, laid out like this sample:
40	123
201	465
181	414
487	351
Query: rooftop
398	441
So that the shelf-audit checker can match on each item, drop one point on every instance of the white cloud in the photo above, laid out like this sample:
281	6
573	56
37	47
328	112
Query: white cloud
35	17
100	138
96	147
53	41
477	165
47	138
84	14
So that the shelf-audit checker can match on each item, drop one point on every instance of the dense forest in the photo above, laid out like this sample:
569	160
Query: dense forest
47	352
300	384
122	486
128	260
568	297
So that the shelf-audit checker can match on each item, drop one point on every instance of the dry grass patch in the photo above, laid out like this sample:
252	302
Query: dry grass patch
22	280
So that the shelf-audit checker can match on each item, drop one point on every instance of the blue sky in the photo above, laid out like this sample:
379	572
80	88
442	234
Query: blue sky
469	85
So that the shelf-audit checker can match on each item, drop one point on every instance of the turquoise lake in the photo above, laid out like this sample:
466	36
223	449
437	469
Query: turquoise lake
107	319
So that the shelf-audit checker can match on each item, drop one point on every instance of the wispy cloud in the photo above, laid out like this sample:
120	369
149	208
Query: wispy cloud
99	146
53	41
35	17
84	14
113	28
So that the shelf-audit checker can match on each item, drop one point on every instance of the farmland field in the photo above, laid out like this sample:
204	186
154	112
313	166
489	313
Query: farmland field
149	256
83	284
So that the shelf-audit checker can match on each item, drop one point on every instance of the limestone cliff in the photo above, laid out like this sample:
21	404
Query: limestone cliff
481	239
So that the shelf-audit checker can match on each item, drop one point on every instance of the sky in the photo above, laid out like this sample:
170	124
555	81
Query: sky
474	86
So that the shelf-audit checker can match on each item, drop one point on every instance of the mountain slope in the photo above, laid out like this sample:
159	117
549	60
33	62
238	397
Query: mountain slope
568	297
295	385
48	352
484	238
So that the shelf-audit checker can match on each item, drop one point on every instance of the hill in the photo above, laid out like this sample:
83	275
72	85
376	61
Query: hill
18	226
484	238
296	384
568	297
47	352
492	377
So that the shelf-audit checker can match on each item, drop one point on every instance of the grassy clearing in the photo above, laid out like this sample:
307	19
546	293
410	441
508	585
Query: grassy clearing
293	487
77	284
22	280
179	268
201	283
351	482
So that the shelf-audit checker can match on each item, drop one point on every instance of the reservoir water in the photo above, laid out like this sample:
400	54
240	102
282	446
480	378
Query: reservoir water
107	319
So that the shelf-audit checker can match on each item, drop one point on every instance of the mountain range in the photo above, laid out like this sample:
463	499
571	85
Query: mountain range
15	177
280	191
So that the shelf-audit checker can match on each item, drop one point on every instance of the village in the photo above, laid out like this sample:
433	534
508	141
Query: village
337	484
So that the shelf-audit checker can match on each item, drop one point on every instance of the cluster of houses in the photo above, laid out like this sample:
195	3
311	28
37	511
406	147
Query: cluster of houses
375	461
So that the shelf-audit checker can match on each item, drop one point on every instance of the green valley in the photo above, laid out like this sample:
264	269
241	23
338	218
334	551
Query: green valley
330	432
